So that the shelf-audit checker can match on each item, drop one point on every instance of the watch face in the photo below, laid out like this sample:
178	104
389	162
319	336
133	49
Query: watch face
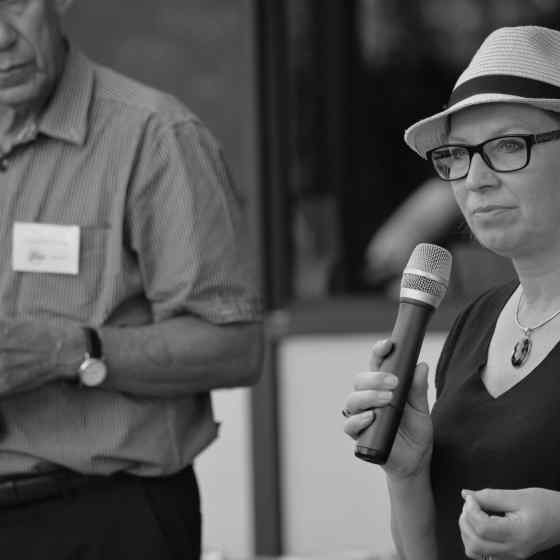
93	372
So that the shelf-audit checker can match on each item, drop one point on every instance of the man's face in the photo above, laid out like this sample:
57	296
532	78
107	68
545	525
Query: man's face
31	51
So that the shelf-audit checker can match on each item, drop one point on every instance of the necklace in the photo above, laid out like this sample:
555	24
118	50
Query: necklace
522	347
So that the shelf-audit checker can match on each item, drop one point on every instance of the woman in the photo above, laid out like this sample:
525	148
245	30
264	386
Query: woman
480	476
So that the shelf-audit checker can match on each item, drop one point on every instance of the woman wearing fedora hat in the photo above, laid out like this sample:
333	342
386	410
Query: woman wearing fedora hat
479	477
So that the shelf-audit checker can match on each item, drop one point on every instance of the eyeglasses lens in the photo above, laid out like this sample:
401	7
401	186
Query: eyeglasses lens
451	162
506	154
502	154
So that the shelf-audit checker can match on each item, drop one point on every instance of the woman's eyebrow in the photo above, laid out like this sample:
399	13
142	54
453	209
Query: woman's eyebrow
504	131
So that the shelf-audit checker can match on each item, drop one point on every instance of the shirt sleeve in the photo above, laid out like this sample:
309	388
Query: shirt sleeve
187	225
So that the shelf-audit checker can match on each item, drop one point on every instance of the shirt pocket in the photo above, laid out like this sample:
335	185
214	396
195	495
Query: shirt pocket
66	296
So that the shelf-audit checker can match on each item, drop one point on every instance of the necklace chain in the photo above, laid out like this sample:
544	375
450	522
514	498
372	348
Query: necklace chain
528	330
522	347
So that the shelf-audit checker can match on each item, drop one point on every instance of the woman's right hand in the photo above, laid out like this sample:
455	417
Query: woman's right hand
412	449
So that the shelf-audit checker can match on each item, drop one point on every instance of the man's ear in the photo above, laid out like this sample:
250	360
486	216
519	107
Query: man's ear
62	5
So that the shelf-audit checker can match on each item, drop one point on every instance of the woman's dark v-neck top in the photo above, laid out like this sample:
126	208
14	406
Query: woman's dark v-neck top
508	442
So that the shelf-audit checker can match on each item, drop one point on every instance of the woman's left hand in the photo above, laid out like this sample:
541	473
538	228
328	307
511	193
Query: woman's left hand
509	524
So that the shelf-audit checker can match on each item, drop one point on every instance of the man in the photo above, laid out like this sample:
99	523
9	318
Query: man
125	297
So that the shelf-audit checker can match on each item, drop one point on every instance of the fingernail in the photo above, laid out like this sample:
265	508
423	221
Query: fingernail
368	416
385	395
390	380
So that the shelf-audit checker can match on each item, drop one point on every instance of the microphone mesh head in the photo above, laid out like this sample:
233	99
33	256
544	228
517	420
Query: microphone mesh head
427	273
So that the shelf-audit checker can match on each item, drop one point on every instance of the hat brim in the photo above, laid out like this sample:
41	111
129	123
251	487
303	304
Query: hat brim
431	132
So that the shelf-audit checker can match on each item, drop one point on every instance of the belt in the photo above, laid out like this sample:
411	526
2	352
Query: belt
22	490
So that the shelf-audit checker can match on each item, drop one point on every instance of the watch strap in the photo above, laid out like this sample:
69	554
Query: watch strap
93	342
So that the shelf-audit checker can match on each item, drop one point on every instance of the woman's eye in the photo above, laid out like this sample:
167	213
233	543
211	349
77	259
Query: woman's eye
459	153
510	145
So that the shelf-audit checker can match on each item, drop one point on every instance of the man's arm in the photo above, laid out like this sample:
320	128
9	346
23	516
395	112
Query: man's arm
194	260
176	356
413	517
181	355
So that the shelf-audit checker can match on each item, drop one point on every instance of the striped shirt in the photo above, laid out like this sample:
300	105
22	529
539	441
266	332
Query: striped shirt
161	235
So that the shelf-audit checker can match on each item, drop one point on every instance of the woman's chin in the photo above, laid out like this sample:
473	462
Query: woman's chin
503	245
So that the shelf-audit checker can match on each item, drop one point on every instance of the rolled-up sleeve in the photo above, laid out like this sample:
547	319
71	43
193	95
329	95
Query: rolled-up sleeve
188	227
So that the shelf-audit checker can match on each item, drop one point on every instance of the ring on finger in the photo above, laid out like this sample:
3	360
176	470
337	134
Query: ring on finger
346	413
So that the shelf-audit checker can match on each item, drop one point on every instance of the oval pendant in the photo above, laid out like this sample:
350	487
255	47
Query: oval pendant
521	352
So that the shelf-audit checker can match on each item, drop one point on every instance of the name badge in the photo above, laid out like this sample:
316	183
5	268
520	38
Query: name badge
45	248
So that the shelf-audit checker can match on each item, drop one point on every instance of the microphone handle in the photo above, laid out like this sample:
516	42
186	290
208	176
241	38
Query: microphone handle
376	442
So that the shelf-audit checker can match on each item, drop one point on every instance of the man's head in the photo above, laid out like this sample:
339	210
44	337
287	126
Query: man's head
31	51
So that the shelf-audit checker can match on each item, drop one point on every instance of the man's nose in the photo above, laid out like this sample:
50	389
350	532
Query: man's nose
8	35
480	175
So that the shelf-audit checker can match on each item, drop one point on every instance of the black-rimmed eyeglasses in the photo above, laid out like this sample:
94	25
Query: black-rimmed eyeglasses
503	154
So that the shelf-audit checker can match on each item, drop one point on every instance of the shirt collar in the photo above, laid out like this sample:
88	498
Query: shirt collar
66	115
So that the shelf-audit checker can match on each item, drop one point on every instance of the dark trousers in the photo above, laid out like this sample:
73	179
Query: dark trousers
118	518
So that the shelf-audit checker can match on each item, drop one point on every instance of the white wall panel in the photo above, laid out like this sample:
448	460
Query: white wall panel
224	473
334	504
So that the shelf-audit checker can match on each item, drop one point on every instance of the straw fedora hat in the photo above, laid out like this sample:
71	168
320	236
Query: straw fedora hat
514	65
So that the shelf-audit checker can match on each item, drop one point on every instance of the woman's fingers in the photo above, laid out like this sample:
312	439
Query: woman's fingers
381	349
358	401
357	423
377	380
372	389
476	532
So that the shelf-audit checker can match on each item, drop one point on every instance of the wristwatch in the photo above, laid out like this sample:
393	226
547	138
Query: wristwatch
93	370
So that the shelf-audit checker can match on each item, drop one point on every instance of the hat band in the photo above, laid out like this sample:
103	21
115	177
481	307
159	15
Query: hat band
509	85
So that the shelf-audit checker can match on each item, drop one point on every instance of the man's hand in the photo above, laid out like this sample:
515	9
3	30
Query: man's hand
509	524
33	353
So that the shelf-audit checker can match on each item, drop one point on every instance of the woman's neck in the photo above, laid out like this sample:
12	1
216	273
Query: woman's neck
540	281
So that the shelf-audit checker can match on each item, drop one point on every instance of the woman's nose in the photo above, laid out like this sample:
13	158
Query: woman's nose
480	175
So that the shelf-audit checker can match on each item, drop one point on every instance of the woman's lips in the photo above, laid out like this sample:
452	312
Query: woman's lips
490	209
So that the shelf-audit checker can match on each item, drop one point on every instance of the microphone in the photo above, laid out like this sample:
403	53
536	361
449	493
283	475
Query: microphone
423	286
